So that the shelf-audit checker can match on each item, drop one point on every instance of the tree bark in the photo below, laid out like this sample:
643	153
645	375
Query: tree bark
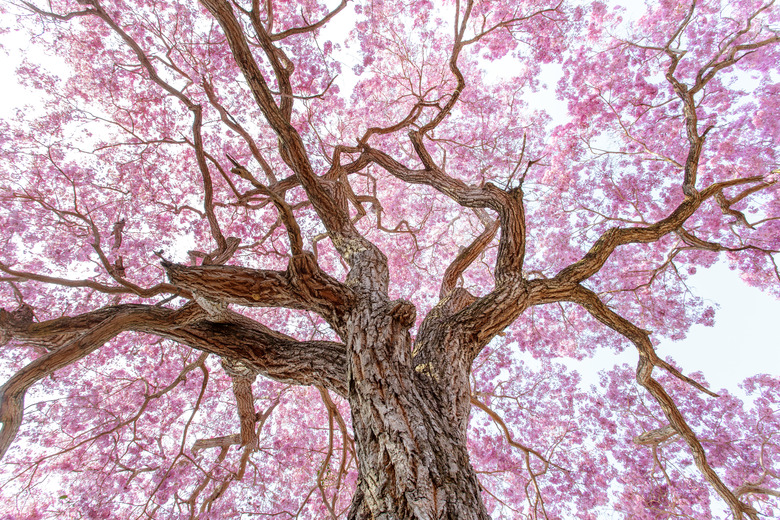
411	441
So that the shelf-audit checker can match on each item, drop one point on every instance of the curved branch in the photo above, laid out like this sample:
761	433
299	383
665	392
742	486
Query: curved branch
496	418
285	211
482	319
756	490
311	27
414	113
465	258
601	250
647	361
13	391
507	203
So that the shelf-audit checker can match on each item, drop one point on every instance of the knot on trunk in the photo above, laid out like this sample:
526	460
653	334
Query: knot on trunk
217	310
237	368
14	321
457	300
310	281
403	312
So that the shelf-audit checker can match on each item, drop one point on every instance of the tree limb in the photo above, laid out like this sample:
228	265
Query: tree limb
311	27
267	352
647	361
465	258
350	244
601	250
302	286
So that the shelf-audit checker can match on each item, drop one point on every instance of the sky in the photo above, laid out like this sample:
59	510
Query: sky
743	342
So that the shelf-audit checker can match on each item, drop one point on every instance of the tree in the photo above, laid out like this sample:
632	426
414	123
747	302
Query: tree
229	226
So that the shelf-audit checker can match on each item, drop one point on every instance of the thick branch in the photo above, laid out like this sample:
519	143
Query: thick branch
594	259
243	376
303	286
489	315
266	352
13	391
656	437
347	240
507	203
272	354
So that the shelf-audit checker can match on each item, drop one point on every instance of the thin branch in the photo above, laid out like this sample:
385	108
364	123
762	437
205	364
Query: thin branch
161	288
508	435
311	27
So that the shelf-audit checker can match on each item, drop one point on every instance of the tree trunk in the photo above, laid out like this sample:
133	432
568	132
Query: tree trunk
411	439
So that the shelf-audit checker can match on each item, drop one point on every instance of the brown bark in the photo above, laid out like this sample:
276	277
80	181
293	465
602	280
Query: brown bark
411	439
409	416
260	349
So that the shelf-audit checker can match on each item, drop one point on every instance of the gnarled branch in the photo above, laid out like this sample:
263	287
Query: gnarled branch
265	351
647	361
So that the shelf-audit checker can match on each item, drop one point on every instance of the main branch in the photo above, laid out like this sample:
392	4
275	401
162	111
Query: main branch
264	351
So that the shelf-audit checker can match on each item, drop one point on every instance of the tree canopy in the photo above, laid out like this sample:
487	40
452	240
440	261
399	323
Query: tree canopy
306	259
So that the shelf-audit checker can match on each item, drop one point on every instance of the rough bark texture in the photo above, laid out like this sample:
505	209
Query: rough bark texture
403	425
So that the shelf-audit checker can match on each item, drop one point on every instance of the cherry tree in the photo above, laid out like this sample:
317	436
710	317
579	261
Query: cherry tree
322	260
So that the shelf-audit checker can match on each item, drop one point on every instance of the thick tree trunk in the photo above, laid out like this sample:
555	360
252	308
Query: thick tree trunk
409	421
411	441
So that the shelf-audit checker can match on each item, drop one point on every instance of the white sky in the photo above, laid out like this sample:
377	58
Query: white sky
744	341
